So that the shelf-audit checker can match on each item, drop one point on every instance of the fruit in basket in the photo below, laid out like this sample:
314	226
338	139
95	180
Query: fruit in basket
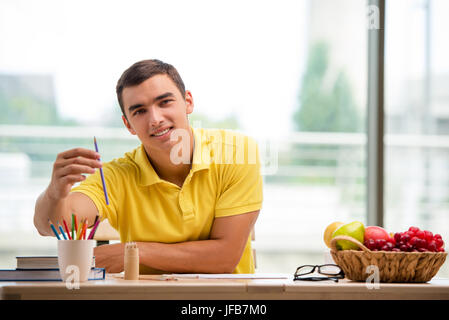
354	229
375	233
417	240
327	237
412	240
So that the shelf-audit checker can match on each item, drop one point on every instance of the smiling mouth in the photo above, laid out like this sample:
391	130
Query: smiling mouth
162	132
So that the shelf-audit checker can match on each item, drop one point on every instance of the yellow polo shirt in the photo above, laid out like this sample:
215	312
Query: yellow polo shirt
224	180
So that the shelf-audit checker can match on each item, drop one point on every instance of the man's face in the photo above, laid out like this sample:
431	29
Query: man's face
154	109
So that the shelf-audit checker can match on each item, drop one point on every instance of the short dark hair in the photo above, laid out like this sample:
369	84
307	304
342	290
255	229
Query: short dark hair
143	70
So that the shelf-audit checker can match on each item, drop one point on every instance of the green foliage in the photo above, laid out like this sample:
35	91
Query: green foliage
325	108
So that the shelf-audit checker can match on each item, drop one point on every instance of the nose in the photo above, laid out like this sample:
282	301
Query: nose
156	116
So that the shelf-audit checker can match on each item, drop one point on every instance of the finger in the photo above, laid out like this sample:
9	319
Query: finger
73	178
79	152
80	161
75	169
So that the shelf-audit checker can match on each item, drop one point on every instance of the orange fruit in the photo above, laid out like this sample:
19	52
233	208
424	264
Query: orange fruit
327	237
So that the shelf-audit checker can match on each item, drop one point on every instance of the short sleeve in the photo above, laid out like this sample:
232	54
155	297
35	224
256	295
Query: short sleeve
93	188
241	184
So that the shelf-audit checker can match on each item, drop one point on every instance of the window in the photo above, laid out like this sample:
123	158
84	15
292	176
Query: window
417	117
292	74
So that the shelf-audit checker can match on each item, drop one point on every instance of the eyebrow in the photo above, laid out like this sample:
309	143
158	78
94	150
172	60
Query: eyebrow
160	97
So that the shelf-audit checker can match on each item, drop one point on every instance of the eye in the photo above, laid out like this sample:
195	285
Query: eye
166	101
139	111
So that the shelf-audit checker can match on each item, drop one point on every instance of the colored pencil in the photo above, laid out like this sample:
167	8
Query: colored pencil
66	229
62	231
76	228
80	230
95	221
83	233
73	226
94	229
54	230
102	176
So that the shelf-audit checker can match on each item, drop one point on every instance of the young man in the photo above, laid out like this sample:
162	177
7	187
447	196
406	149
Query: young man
188	197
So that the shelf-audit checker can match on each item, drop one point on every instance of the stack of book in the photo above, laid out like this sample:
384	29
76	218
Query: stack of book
42	268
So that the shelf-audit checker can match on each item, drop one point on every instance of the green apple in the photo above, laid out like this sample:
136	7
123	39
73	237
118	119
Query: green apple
354	229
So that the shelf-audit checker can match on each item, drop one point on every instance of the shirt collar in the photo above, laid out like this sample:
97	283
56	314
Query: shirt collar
201	150
201	158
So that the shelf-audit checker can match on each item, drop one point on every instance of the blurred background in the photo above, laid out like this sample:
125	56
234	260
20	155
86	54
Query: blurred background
292	74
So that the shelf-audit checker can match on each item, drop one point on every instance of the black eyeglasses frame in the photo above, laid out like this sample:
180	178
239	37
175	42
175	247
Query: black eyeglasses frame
329	276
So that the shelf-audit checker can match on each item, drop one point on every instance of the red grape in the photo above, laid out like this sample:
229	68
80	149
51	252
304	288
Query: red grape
380	243
406	237
421	243
370	244
413	229
439	242
432	246
420	234
412	240
428	235
392	241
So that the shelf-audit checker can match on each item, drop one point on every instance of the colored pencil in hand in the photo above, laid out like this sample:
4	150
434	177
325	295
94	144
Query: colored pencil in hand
102	176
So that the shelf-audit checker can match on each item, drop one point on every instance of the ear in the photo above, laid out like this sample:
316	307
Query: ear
128	126
189	102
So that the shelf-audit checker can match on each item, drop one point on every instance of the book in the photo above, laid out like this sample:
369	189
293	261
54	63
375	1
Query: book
43	274
40	262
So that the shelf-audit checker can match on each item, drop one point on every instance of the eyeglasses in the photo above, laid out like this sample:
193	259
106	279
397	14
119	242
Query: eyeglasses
330	271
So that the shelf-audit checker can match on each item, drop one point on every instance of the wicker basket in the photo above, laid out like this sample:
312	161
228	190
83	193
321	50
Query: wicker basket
393	266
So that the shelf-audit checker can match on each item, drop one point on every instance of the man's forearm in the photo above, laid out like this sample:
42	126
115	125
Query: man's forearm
47	208
202	256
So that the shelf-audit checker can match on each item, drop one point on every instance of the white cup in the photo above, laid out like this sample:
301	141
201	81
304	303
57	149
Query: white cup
75	259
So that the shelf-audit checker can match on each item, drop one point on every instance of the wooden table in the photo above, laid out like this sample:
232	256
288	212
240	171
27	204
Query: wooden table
150	288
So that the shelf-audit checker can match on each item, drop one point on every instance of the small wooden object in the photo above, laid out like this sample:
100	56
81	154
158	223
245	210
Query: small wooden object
131	261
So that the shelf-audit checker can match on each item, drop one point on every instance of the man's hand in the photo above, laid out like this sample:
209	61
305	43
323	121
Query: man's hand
110	257
69	168
56	202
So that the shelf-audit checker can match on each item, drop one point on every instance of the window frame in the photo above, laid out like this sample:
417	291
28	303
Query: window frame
375	119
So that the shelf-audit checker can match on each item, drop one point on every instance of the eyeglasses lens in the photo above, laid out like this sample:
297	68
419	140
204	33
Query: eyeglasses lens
304	270
331	270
